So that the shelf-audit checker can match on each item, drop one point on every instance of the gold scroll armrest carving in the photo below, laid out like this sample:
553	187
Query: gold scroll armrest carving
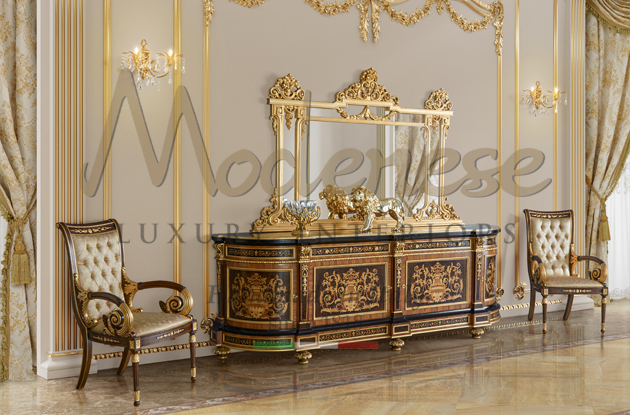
598	274
82	304
130	289
537	270
176	304
118	322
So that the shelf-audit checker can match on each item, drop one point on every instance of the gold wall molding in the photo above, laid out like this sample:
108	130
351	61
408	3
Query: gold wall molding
68	149
577	123
525	305
519	290
150	350
370	11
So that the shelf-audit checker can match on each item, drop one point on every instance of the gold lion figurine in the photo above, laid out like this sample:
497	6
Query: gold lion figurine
364	203
337	202
368	206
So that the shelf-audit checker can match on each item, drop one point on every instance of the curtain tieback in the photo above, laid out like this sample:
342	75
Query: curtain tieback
604	229
20	266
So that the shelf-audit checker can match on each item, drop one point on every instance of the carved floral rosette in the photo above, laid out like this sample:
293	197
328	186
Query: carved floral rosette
437	283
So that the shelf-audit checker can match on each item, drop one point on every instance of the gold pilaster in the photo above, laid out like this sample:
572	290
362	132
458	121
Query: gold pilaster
206	166
107	96
516	143
177	153
555	110
577	110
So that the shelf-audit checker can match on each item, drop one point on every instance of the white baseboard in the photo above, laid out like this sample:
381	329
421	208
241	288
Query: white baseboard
60	366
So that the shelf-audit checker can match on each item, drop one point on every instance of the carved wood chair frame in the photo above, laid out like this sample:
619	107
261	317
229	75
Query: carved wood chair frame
119	323
537	273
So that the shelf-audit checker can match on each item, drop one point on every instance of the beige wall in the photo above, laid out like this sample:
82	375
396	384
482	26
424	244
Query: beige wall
249	50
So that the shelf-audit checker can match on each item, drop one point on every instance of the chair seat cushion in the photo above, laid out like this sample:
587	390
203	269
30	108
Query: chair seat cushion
574	281
145	324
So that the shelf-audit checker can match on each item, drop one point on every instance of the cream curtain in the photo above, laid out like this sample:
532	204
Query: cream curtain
18	178
618	209
410	162
607	122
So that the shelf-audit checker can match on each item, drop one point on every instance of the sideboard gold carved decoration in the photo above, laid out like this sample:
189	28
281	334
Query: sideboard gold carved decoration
259	297
370	11
436	282
346	290
286	99
490	275
367	89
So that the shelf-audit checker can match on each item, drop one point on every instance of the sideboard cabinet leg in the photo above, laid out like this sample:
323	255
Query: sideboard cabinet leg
222	352
303	357
476	332
396	344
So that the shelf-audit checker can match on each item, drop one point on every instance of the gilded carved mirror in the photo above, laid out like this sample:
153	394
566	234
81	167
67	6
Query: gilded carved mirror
403	149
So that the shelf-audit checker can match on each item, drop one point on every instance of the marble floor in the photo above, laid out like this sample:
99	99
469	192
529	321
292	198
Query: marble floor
512	369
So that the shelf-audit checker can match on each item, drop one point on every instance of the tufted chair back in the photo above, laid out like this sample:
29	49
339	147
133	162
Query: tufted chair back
550	235
96	256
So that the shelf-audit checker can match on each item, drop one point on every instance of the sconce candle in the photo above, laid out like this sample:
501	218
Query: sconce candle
151	70
540	102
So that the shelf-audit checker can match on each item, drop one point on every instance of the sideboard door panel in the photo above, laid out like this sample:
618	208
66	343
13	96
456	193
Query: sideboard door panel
260	298
437	284
345	293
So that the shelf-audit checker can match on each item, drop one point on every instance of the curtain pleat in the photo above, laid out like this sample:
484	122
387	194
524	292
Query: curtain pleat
18	183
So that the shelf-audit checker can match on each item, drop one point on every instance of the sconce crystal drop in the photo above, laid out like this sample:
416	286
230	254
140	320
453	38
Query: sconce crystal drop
541	102
147	70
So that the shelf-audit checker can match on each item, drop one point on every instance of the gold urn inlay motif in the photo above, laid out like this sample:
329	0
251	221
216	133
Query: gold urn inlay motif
350	291
258	297
438	283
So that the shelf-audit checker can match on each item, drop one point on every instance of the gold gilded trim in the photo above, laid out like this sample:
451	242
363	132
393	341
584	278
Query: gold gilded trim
177	151
517	213
577	122
107	97
555	111
205	195
525	305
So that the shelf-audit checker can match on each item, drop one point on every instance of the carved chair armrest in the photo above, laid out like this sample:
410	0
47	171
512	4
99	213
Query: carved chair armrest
175	304
598	274
536	270
119	322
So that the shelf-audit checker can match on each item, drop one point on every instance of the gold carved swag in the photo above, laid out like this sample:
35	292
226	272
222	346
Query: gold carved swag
370	12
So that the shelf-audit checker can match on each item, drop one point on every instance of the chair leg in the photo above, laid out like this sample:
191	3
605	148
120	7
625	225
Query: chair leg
568	309
604	301
544	304
87	361
192	339
532	304
135	363
124	361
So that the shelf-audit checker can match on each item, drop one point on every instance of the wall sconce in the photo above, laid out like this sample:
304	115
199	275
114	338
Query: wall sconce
145	69
540	102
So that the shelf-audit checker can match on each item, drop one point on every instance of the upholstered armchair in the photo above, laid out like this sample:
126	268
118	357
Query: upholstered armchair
552	262
103	300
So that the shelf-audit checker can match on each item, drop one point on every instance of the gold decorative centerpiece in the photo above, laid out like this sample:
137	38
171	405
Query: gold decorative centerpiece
302	213
363	102
151	70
